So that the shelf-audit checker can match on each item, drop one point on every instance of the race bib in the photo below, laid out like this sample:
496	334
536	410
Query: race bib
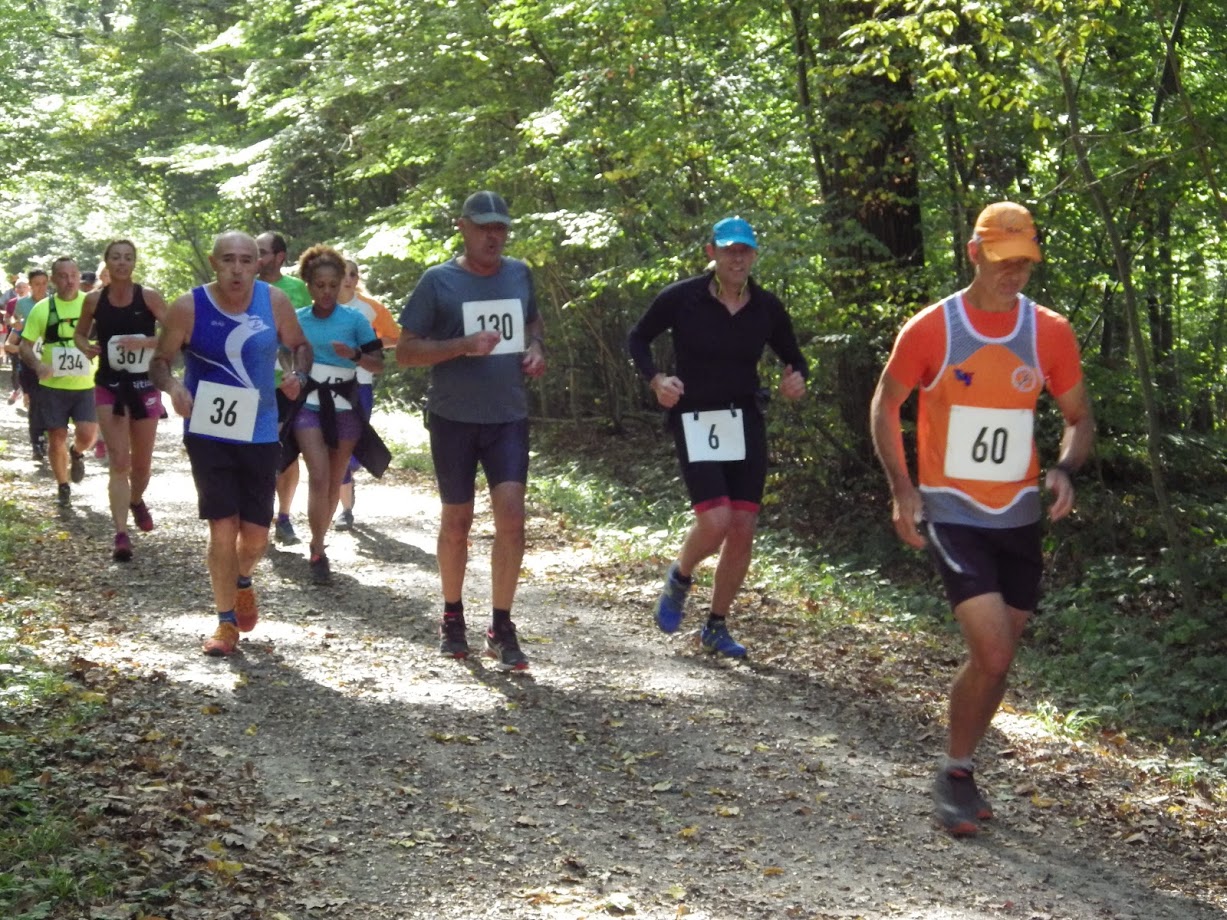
122	357
989	445
718	436
67	361
502	316
330	373
223	411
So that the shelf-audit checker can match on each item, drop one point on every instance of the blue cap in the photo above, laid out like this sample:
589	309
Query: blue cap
733	230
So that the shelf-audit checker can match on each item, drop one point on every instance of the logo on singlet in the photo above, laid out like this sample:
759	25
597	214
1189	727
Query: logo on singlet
962	376
1024	379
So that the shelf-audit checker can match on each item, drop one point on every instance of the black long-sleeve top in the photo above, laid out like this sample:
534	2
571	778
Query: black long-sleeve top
717	352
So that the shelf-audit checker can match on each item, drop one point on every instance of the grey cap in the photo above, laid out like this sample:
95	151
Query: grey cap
486	208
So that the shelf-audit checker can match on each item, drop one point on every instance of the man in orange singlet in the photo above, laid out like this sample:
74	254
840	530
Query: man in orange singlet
980	359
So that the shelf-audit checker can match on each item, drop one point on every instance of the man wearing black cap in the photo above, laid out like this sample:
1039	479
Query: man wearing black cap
473	321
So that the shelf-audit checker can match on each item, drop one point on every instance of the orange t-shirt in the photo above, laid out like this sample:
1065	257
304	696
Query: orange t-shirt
980	374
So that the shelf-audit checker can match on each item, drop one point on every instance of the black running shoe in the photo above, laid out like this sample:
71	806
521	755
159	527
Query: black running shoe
957	803
321	572
76	464
452	641
63	495
502	646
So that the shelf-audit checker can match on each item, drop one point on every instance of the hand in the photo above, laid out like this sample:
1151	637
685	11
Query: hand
792	384
533	362
345	350
668	390
92	351
181	400
907	511
291	385
481	344
43	370
1058	482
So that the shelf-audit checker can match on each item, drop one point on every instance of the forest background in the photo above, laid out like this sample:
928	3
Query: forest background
860	139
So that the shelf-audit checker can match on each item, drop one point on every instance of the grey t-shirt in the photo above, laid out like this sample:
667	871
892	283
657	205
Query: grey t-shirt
486	390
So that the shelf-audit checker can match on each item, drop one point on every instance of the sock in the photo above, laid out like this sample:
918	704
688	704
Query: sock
453	608
244	581
684	580
228	617
949	763
283	518
502	619
715	619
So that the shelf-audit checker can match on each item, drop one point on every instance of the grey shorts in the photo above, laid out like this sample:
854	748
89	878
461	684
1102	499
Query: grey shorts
57	407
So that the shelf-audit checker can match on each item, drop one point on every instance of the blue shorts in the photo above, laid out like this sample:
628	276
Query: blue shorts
457	447
973	561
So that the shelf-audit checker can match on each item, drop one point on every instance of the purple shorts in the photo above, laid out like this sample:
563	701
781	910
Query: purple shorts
349	423
151	399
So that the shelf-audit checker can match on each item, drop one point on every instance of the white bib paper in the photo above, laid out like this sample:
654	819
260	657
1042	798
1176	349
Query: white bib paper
224	411
68	361
501	316
330	373
717	436
121	357
989	445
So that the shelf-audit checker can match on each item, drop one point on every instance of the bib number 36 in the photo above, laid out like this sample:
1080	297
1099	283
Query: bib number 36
222	411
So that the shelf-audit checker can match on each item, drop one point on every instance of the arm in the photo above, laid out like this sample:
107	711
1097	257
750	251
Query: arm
534	355
31	331
1076	442
887	432
177	326
85	326
415	351
292	338
657	319
783	342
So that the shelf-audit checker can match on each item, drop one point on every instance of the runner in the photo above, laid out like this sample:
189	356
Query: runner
123	317
273	256
720	323
65	377
980	358
229	331
473	320
389	333
328	424
27	379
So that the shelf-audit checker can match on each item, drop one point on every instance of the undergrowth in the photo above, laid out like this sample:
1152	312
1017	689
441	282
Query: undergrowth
1109	650
47	862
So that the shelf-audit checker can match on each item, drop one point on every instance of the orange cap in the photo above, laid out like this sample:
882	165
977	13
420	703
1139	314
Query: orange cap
1005	230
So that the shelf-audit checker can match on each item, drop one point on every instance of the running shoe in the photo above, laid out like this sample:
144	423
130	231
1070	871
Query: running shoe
672	604
284	532
63	495
13	396
321	574
452	640
123	548
345	520
224	641
77	463
140	514
716	640
245	609
957	802
502	646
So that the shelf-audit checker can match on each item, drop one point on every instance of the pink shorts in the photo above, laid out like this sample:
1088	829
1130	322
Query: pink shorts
151	398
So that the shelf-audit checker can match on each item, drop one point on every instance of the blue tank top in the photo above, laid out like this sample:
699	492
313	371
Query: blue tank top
238	350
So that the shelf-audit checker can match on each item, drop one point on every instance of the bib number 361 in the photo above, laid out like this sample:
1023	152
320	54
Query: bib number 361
989	445
222	411
717	436
506	317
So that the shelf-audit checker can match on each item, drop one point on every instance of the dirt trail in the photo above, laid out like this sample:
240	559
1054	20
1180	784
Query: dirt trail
625	774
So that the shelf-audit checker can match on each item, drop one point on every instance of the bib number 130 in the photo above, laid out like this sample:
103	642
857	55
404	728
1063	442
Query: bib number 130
506	317
989	445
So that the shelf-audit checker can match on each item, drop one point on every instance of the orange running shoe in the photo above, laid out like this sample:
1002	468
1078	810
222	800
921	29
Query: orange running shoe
224	641
245	609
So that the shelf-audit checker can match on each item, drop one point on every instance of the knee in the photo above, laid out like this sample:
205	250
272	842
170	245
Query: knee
454	528
994	663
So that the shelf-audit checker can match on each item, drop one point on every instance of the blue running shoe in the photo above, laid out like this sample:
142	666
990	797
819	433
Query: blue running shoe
672	604
715	639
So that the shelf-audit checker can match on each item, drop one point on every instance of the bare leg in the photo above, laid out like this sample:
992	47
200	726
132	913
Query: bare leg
734	560
992	630
507	501
453	548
